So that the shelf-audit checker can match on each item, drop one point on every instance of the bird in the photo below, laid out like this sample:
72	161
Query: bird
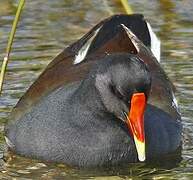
103	101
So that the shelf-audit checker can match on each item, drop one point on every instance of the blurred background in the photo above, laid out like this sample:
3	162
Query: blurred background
47	27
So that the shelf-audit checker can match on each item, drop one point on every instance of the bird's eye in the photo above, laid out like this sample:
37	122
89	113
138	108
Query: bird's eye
126	98
140	89
144	90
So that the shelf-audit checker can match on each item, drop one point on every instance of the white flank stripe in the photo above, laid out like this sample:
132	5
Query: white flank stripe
175	102
9	143
155	43
84	49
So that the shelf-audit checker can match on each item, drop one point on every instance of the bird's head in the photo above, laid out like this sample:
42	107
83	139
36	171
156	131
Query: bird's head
124	82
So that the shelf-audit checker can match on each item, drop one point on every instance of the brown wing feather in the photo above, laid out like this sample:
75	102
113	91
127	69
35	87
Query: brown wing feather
62	70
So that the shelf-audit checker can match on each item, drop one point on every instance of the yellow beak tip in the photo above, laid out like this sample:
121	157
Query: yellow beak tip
141	158
140	146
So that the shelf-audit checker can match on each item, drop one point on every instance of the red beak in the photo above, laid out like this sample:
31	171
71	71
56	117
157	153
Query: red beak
135	122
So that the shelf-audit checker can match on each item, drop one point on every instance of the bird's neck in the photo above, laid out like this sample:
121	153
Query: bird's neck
87	97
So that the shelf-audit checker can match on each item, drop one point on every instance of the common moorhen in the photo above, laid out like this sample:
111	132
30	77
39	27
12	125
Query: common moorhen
113	105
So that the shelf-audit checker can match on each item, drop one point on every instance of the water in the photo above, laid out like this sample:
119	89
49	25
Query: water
46	27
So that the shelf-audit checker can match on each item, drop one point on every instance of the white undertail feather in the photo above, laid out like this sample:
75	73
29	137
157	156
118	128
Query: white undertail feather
84	49
155	43
130	34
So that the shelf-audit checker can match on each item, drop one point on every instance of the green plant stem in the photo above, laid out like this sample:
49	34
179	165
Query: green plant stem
10	42
127	7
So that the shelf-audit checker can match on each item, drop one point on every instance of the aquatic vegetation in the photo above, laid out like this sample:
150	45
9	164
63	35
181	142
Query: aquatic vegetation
10	42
